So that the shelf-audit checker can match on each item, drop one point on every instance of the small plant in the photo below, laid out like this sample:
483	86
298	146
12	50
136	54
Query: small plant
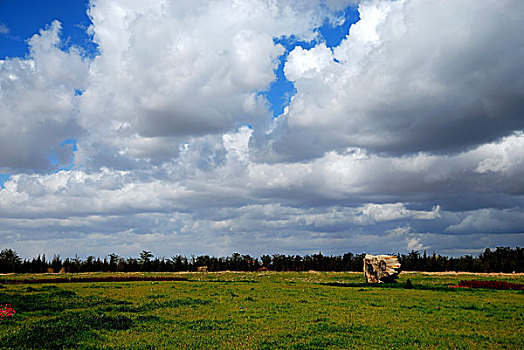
408	285
6	311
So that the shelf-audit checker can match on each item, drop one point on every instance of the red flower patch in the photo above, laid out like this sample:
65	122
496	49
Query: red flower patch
490	285
6	311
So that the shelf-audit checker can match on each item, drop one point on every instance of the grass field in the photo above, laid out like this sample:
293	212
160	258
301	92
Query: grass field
263	310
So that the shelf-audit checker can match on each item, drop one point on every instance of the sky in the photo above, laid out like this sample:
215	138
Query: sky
261	126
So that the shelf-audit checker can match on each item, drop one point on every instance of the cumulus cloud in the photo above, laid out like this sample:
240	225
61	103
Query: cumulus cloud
38	102
396	211
490	221
410	76
360	176
170	71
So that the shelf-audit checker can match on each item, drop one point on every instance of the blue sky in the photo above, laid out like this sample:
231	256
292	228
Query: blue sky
400	132
25	18
281	90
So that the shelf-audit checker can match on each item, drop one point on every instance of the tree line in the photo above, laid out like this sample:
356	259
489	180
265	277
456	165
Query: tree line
502	259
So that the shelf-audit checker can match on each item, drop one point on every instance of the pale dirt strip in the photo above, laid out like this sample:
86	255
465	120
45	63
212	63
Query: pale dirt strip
453	273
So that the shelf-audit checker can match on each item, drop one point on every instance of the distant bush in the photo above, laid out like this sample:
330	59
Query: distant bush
408	285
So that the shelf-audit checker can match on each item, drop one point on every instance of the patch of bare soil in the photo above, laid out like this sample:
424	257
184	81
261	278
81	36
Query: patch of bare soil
453	273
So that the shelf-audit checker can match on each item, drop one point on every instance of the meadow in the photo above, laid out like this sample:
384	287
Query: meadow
262	310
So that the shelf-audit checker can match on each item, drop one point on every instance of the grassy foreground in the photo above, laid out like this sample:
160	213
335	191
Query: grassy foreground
263	310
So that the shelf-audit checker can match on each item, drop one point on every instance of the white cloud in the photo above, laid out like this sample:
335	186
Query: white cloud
237	144
503	157
38	102
4	29
78	194
307	63
419	177
490	221
413	76
176	70
348	200
395	211
414	244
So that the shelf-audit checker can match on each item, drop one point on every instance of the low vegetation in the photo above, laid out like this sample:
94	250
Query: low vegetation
262	310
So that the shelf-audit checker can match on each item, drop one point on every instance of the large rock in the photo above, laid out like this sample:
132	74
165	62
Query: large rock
381	268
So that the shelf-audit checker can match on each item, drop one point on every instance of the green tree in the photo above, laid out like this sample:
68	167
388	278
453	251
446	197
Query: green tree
146	256
113	262
145	260
56	263
9	261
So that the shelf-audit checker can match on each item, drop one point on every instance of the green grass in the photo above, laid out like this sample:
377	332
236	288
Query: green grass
286	310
